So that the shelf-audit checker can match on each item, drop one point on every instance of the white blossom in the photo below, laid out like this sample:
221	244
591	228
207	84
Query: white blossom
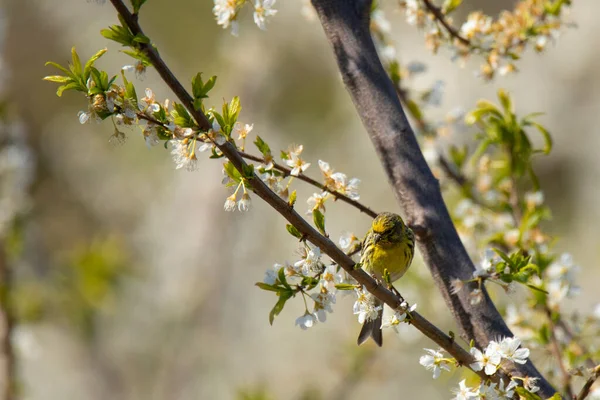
464	392
434	361
306	321
509	349
367	307
310	262
488	360
263	10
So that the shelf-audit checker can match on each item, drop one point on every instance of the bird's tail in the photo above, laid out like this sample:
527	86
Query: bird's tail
371	329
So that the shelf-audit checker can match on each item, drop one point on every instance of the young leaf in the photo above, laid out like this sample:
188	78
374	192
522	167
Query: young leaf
293	231
319	220
292	199
267	287
283	297
262	146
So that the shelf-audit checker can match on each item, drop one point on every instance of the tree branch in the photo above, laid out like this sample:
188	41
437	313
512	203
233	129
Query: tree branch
282	207
338	196
346	26
439	15
585	390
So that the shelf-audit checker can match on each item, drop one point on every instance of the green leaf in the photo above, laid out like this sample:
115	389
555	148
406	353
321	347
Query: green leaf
503	256
292	199
60	67
248	170
526	395
319	220
283	297
345	286
293	231
69	86
267	287
181	116
76	66
262	146
58	78
234	110
450	5
232	172
90	63
137	4
505	100
536	289
547	137
282	278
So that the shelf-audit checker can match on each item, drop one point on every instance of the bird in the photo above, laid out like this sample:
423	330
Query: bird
388	245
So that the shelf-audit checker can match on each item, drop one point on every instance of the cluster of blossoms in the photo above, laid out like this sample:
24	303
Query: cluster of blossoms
227	11
334	183
500	40
310	277
17	164
490	360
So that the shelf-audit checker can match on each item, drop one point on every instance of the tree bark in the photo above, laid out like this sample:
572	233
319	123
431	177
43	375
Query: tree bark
346	26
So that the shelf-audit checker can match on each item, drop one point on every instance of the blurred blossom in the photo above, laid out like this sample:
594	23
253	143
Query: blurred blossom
17	166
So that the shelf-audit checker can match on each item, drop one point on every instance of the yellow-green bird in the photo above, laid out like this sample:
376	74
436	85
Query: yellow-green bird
389	244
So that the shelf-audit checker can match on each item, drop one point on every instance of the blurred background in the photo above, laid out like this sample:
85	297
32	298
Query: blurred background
131	280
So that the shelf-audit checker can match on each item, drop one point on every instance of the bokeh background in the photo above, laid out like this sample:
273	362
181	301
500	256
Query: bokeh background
133	283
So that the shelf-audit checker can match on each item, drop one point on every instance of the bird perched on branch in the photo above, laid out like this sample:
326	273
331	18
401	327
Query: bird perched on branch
388	245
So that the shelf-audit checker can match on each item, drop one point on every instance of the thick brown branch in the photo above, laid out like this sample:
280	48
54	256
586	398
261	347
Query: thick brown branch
311	234
346	26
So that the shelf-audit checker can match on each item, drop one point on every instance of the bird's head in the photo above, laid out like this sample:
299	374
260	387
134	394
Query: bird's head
387	228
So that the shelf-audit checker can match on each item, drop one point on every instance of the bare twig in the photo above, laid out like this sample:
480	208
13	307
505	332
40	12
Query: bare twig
557	353
572	338
585	390
346	26
441	18
311	234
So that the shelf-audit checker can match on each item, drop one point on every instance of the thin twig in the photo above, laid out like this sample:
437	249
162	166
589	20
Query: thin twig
288	172
585	390
557	353
439	15
571	337
338	196
262	190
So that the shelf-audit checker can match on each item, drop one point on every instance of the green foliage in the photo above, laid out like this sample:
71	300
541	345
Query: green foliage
527	395
516	267
283	290
319	220
262	146
123	35
77	77
137	4
87	283
293	231
181	116
501	128
200	89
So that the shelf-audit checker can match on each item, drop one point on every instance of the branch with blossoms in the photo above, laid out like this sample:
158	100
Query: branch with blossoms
190	128
517	216
500	42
